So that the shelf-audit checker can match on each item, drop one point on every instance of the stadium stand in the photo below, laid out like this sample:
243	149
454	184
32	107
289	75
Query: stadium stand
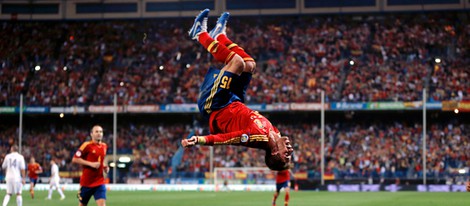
394	58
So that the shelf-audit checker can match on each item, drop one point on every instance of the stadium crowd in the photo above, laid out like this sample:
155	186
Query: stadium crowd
362	58
353	150
353	59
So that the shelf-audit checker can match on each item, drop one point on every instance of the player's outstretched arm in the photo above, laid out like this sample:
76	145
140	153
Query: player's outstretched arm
189	142
231	138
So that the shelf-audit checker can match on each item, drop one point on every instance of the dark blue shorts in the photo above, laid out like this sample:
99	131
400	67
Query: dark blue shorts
85	193
33	180
281	185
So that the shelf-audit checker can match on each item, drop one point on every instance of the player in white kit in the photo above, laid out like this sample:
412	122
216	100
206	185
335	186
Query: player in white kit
54	181
15	166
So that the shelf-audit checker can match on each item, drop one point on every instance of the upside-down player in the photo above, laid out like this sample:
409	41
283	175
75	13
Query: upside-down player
91	156
282	181
222	95
34	169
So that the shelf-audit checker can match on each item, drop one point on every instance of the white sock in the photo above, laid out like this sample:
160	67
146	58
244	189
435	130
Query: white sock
6	199
19	200
50	194
60	192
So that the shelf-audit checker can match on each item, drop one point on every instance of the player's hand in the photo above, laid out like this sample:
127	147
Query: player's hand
106	169
24	182
468	186
95	165
189	142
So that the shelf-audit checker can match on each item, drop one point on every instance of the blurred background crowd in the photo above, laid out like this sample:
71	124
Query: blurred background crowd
372	58
362	59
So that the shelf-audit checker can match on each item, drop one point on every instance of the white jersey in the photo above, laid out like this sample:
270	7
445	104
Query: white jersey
13	163
55	173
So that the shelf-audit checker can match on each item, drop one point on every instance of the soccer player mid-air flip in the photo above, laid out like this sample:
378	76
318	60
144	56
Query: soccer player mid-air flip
222	95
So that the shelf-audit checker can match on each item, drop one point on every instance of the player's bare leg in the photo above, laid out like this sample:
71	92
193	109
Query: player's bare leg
276	194
101	202
31	190
287	196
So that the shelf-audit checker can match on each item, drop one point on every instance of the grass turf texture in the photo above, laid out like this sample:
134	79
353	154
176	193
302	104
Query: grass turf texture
301	198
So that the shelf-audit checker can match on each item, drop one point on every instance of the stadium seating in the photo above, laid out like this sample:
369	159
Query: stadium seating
393	55
393	58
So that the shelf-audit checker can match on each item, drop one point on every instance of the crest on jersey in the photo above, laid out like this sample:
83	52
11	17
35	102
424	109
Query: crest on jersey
244	138
259	123
78	153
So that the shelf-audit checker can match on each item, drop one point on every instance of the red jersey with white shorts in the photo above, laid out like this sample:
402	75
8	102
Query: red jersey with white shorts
93	152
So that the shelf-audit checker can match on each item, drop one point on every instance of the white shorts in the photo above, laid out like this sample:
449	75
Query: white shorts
14	187
54	183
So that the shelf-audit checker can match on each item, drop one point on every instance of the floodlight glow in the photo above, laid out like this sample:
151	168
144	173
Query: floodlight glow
178	56
124	159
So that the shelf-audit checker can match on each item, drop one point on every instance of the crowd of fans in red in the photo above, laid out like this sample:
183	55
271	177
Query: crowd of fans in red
144	62
391	149
353	59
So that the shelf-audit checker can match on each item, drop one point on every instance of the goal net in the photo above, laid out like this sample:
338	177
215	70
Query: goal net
226	178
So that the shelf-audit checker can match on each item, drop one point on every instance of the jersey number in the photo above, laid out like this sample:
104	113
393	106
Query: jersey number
226	82
12	163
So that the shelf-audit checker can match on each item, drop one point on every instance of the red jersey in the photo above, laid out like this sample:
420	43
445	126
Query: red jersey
32	168
282	176
237	117
93	152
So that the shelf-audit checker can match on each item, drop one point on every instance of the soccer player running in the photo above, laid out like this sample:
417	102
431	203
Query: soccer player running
91	156
34	169
222	95
15	166
54	181
282	181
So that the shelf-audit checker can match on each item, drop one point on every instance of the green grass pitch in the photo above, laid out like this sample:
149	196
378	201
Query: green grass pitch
300	198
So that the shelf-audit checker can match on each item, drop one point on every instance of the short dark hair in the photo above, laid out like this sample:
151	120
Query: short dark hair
96	125
275	162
